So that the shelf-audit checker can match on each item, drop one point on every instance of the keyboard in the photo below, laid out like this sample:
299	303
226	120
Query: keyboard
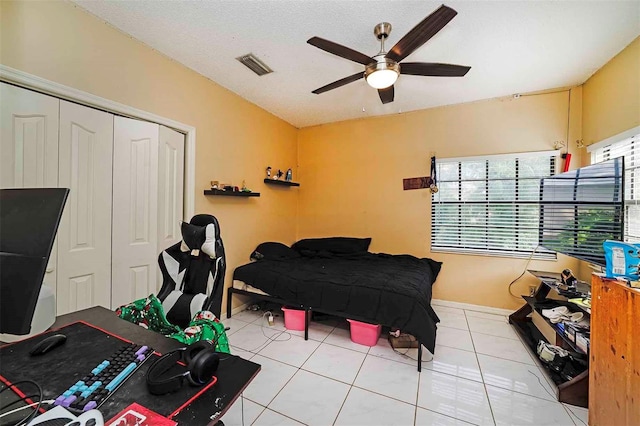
94	388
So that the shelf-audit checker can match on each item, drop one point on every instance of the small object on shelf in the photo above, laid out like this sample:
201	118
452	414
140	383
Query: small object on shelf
582	342
278	175
244	187
568	279
215	184
289	176
583	302
268	172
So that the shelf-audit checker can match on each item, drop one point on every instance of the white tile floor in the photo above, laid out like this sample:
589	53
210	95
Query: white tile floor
481	374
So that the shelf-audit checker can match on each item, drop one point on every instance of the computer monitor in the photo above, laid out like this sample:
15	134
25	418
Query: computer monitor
29	220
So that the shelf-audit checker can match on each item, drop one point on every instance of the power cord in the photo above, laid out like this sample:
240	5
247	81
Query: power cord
575	415
274	338
523	272
270	322
38	404
540	381
554	396
17	401
8	413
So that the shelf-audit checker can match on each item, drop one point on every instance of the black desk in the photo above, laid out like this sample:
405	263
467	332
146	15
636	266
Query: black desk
234	373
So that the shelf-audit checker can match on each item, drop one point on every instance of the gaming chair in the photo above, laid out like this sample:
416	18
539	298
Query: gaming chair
193	271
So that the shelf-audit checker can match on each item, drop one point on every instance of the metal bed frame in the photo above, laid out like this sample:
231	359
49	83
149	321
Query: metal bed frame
231	290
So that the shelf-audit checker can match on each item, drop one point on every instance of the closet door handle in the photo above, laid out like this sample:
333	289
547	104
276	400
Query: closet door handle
50	269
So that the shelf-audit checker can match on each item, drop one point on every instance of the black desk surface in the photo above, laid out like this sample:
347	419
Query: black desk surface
234	373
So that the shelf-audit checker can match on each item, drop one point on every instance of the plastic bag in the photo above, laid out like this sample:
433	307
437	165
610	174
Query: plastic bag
623	259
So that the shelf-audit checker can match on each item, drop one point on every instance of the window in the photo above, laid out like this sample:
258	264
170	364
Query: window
629	148
490	205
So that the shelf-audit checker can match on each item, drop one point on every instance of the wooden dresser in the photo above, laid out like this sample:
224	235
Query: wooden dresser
614	371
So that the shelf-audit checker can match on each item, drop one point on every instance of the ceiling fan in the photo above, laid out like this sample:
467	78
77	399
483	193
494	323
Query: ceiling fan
383	69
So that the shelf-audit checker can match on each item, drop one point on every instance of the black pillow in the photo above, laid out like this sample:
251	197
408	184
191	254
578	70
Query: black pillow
192	235
336	245
435	267
323	254
274	251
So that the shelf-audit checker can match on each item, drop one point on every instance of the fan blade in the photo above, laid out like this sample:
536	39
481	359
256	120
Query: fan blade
341	82
386	95
431	69
421	33
340	50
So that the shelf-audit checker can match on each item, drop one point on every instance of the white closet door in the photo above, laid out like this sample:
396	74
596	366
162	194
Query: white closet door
84	237
135	210
29	146
170	189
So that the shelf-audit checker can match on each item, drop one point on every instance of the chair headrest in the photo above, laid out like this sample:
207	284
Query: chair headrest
197	238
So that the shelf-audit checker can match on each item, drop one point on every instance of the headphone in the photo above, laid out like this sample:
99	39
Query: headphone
200	358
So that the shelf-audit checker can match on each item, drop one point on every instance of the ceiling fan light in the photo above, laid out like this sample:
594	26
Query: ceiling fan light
382	74
382	79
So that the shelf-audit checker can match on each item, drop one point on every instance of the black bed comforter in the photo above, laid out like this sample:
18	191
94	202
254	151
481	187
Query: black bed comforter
392	290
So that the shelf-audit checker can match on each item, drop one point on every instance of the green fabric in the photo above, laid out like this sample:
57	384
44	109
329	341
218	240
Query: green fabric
148	313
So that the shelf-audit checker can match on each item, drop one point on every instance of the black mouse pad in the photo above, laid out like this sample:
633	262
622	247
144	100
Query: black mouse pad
85	348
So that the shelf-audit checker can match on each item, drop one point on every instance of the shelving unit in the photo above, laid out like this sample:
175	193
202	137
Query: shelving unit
230	193
576	390
280	182
556	327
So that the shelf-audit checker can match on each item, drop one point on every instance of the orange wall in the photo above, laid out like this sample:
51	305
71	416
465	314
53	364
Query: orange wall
611	102
351	181
236	140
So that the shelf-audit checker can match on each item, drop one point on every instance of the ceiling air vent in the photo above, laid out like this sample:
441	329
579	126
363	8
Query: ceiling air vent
254	64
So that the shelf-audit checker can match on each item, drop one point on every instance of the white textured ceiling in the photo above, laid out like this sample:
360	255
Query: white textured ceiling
511	46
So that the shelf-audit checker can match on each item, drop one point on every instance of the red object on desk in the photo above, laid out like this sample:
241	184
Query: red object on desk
137	415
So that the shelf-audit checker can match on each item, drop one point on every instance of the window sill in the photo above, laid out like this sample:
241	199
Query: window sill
552	257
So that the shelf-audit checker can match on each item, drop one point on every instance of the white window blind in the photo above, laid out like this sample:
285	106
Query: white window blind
629	148
490	205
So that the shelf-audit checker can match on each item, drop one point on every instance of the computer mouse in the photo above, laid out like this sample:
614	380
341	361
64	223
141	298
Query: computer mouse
48	344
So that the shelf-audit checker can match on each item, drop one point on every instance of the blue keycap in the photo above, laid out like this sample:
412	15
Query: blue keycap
120	377
67	393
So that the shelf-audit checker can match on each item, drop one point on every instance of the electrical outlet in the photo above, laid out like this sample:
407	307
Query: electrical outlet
270	320
532	290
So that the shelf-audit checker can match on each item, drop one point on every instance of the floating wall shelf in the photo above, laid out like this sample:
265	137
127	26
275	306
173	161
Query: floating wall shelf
231	193
280	182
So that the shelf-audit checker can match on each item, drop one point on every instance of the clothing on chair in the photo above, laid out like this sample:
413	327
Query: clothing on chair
149	313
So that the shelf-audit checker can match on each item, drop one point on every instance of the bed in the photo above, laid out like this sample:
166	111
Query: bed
339	276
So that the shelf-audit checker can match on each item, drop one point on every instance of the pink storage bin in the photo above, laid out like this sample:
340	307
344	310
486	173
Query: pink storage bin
294	318
363	333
